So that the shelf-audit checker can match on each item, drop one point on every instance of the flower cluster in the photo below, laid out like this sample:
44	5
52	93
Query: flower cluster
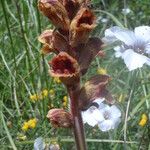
134	47
57	80
105	116
42	95
143	120
65	101
102	71
31	124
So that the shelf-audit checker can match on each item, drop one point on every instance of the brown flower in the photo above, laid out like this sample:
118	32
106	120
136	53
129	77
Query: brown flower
86	53
63	65
92	89
56	12
81	26
53	42
71	6
60	118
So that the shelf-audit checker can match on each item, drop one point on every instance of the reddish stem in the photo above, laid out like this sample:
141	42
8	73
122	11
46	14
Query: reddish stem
77	119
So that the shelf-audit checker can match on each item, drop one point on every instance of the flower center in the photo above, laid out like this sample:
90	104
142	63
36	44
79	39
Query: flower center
106	115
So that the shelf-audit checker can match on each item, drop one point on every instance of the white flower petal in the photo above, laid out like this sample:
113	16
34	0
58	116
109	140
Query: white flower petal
105	125
126	36
116	33
109	35
143	33
115	111
134	60
126	11
92	116
39	144
88	118
115	122
99	100
147	48
118	50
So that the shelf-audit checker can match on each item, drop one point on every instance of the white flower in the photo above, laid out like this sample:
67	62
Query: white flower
105	116
92	115
126	11
134	47
111	115
39	144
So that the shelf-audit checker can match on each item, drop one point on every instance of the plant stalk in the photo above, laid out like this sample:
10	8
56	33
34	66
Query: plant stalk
78	128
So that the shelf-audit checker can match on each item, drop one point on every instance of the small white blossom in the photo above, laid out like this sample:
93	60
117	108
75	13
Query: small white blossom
134	47
39	144
105	116
126	11
111	115
92	115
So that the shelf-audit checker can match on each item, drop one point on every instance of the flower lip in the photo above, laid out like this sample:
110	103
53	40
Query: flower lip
86	18
63	65
46	36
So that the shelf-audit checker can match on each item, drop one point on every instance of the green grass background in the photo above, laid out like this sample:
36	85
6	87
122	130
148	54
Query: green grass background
24	71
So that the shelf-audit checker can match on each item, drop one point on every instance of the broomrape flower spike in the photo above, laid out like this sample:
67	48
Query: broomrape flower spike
74	52
134	46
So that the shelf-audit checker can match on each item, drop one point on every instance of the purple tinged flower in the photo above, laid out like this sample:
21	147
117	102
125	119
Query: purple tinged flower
134	46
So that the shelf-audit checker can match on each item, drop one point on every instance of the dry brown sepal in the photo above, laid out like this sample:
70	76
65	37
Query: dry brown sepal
81	26
53	42
56	12
60	118
86	53
92	89
63	65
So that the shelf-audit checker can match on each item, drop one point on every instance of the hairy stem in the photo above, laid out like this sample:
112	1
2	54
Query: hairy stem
77	119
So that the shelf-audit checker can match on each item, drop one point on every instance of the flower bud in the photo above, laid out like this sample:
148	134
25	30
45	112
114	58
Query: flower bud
60	118
81	26
56	12
53	42
63	65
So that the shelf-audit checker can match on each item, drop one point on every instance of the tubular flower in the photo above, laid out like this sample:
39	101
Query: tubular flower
81	26
56	12
60	118
63	65
53	42
143	120
134	47
94	88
